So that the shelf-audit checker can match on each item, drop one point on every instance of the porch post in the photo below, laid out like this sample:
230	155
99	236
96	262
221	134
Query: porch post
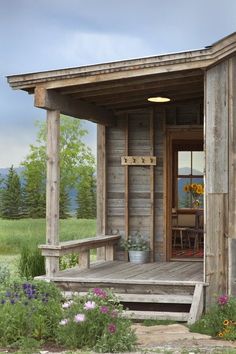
52	188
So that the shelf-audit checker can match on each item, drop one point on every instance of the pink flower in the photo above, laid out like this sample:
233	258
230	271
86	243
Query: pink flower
63	322
223	300
112	328
114	314
89	305
66	305
99	292
80	317
104	309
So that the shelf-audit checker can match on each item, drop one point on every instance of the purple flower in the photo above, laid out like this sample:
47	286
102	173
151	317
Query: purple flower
111	328
80	317
104	309
12	301
63	322
8	294
89	305
99	292
223	300
3	301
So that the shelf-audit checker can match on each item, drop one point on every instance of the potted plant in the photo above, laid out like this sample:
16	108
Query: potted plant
138	248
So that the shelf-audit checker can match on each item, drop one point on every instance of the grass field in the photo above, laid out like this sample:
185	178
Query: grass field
16	233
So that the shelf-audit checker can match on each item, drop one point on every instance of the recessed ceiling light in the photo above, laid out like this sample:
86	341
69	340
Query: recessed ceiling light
159	99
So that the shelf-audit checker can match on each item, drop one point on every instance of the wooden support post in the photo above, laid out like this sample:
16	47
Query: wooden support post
101	186
152	190
84	259
126	183
52	188
232	175
109	252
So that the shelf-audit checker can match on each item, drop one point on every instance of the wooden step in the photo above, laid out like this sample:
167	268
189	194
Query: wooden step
156	315
158	299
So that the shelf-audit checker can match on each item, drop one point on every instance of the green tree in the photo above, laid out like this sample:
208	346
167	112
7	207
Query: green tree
86	194
11	197
75	157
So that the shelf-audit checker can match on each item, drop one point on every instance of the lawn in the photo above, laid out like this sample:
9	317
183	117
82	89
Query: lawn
16	233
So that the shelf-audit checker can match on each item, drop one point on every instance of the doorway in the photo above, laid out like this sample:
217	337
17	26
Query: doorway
184	194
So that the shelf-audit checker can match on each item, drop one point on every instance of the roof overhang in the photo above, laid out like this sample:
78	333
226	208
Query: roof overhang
107	88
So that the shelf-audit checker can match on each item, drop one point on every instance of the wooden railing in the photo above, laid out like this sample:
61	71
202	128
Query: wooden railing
82	247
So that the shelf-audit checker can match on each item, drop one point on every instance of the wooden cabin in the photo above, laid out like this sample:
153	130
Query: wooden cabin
146	153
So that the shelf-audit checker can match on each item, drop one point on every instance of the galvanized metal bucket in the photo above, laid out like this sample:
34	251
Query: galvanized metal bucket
139	257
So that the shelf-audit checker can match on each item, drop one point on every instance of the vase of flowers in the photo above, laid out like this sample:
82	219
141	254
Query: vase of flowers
196	190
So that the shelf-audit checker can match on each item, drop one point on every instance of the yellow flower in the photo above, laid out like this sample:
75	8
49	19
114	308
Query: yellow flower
226	322
186	188
220	334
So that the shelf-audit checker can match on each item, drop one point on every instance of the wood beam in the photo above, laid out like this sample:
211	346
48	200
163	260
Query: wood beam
51	100
52	188
126	83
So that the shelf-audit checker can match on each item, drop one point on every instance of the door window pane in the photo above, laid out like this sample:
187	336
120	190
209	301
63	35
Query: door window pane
184	199
184	162
198	162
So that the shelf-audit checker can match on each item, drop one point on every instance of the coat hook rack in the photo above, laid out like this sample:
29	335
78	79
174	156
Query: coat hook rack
138	160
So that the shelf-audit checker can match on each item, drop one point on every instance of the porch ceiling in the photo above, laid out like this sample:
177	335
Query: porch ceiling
129	93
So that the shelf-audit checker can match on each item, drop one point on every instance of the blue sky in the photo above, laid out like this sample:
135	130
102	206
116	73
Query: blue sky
53	34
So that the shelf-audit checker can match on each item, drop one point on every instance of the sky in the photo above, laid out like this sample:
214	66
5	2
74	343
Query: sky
38	35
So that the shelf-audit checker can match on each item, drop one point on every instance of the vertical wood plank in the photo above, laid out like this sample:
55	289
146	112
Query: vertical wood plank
101	186
217	128
217	179
52	188
215	246
232	175
126	182
152	190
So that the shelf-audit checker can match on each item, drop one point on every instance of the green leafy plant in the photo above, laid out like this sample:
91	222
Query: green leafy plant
68	261
220	320
94	322
31	262
29	310
135	243
4	274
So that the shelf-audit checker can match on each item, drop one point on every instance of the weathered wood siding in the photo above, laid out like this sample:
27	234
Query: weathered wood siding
134	202
220	142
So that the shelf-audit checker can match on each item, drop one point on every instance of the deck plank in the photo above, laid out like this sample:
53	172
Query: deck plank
118	271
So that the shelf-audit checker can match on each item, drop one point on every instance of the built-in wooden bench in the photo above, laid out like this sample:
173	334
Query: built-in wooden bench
82	247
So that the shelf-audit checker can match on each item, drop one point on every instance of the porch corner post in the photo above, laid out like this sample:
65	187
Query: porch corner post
52	188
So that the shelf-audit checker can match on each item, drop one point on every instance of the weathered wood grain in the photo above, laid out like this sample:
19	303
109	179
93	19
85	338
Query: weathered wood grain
52	188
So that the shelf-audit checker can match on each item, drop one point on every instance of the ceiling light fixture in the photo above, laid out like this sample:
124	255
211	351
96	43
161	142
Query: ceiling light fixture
159	99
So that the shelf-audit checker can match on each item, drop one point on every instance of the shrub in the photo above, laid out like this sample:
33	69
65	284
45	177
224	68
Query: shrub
31	262
4	274
68	261
220	320
28	311
94	321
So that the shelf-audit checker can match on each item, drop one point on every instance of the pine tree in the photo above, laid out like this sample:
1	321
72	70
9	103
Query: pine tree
86	195
11	196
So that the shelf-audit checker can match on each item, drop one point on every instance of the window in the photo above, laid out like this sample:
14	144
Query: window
190	171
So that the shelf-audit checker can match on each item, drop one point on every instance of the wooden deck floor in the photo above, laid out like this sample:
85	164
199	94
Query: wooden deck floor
123	272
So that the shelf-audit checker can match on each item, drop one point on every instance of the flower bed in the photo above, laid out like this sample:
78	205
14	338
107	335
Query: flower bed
35	312
220	320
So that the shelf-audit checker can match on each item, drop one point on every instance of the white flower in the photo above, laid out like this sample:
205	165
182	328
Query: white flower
80	317
89	305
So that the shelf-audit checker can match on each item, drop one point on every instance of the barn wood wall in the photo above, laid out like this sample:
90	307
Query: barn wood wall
220	140
139	186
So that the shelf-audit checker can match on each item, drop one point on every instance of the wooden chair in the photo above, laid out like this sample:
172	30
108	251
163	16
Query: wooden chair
179	232
196	234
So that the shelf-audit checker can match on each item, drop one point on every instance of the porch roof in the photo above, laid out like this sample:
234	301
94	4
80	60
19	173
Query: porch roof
96	92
